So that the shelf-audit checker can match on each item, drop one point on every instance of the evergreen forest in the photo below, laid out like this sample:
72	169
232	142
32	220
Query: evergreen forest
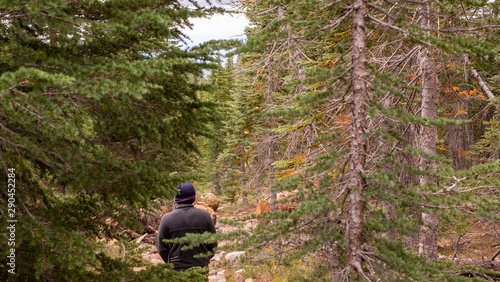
346	140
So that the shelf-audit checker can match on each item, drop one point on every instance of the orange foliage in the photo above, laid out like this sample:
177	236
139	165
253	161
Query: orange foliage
460	111
263	206
473	92
461	153
411	76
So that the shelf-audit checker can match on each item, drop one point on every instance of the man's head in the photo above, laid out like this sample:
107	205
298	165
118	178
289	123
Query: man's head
186	195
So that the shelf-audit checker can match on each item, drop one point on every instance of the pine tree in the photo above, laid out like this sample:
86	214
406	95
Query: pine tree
222	80
360	182
99	115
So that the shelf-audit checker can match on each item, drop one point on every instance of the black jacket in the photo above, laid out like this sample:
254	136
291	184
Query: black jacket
176	224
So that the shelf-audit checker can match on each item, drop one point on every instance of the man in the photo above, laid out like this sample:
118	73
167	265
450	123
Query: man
177	223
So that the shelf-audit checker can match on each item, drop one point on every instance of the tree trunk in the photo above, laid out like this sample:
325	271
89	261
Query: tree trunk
407	179
428	136
354	228
243	182
460	137
271	87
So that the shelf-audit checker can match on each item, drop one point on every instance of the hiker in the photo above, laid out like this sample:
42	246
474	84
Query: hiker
185	218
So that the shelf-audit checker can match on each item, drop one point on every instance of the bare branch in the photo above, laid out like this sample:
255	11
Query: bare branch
405	32
481	83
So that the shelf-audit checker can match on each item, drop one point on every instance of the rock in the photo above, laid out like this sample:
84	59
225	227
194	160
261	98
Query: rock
150	239
263	206
218	256
216	276
143	245
211	200
224	228
221	273
203	206
153	250
152	258
156	261
233	256
238	277
250	224
137	269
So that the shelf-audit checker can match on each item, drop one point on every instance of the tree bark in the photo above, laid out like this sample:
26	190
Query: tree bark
407	179
460	137
428	136
356	185
271	87
243	182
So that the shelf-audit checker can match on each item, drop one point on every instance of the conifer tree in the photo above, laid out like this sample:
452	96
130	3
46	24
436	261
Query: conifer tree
365	156
99	116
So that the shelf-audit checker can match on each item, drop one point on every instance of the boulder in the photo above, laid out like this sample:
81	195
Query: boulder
204	206
233	256
211	200
137	269
238	277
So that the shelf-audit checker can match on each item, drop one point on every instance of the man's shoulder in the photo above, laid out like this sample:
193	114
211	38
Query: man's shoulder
170	214
200	212
189	209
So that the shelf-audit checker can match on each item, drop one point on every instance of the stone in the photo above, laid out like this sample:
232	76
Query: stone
250	224
143	245
137	269
233	256
150	239
218	256
211	200
238	277
156	261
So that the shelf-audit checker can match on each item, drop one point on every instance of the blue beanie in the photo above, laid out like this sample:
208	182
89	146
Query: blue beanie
187	194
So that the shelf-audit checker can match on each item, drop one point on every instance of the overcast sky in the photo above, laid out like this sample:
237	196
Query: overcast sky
217	27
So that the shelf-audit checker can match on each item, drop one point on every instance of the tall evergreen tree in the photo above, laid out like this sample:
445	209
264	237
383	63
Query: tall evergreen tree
99	115
361	180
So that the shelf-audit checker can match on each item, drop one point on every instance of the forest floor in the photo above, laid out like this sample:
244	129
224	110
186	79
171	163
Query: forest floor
476	242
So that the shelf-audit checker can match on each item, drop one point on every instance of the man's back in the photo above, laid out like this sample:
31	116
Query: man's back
176	224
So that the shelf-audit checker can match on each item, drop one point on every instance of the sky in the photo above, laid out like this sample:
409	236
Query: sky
218	26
